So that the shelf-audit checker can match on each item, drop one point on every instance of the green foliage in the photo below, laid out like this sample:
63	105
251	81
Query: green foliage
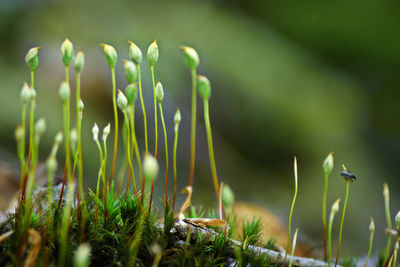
348	262
252	231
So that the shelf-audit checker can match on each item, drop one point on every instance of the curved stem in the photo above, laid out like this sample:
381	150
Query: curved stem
31	143
128	151
210	146
166	154
293	247
155	132
341	222
143	108
21	146
292	206
134	142
371	240
193	128
79	129
155	113
67	168
80	159
174	163
329	243
116	125
324	214
100	169
388	221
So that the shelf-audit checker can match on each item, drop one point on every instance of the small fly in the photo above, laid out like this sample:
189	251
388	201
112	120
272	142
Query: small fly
348	175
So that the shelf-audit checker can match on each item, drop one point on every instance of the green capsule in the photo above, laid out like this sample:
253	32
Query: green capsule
228	197
19	134
79	62
372	225
40	127
159	92
95	132
150	167
397	219
110	54
191	57
33	93
131	93
64	92
80	105
177	116
152	53
122	102
328	164
106	132
204	87
25	93
32	58
135	53
131	72
51	165
67	52
58	138
82	255
73	137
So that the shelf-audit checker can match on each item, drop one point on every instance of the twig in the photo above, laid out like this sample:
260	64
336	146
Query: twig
182	228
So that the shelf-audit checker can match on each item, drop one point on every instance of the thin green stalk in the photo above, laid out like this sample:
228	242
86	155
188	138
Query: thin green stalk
324	213
334	210
67	217
104	159
292	206
51	168
101	167
66	120
396	250
103	171
388	219
327	167
166	154
155	132
143	108
193	128
21	149
342	220
155	112
126	121
210	145
79	129
174	163
116	125
30	184
121	175
128	151
134	141
31	120
293	246
32	78
371	240
82	206
31	132
50	183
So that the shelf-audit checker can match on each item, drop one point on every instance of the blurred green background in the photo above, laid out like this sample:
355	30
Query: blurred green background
289	78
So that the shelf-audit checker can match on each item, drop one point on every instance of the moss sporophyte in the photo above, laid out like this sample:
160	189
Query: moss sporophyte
119	226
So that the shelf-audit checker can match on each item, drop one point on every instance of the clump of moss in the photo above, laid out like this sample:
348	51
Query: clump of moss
60	226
